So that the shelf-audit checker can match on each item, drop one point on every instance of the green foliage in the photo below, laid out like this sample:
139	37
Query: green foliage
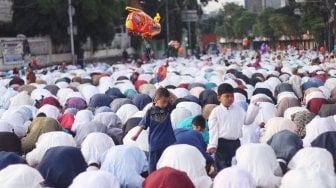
225	22
208	26
314	19
93	18
97	19
262	26
243	25
235	22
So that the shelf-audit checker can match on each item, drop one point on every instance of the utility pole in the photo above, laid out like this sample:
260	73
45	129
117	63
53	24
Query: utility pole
70	12
167	22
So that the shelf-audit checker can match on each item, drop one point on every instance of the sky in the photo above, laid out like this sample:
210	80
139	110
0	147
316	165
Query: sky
213	6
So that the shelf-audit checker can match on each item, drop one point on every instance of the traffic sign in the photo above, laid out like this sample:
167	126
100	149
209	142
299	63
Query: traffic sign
71	10
74	30
189	16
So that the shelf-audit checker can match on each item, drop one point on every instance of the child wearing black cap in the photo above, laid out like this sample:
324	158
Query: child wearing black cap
225	127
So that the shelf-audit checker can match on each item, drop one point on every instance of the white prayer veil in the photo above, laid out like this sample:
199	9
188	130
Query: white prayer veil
260	161
189	160
276	125
233	177
313	159
20	175
307	179
46	141
94	147
97	179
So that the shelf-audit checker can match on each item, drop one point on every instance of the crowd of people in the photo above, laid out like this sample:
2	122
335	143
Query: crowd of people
243	119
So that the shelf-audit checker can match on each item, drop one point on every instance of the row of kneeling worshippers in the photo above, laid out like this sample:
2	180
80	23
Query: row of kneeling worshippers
74	128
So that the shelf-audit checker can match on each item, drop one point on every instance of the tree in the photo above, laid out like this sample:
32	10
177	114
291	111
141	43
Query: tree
314	19
176	26
243	25
209	25
95	19
262	26
226	20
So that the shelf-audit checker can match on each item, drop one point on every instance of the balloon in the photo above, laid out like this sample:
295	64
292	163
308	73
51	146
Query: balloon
138	23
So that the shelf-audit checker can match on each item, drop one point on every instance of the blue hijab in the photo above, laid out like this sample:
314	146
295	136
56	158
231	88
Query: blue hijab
193	138
141	101
9	158
208	97
60	165
285	144
114	92
327	141
99	100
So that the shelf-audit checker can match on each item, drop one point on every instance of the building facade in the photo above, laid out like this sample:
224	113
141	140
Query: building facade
273	3
6	12
254	6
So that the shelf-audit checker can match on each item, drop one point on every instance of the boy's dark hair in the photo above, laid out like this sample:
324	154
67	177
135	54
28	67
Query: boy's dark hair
199	121
162	92
41	114
224	88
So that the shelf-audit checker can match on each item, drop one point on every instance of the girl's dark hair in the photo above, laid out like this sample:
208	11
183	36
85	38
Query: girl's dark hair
161	92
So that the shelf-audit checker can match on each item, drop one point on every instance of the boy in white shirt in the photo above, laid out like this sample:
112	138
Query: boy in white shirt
225	127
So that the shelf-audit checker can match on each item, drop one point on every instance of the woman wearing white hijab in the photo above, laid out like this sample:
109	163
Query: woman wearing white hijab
88	91
46	141
141	142
307	179
193	107
113	124
311	167
94	147
5	126
91	179
20	99
233	177
276	125
109	119
179	114
50	111
18	121
126	163
181	92
20	175
318	126
260	161
189	160
62	95
82	117
258	113
313	159
292	110
39	93
126	111
5	98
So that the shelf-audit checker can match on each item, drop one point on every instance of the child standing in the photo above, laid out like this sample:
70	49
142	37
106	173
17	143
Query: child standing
225	127
161	134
